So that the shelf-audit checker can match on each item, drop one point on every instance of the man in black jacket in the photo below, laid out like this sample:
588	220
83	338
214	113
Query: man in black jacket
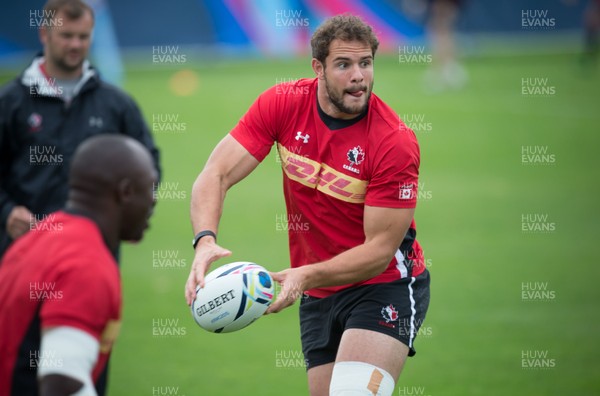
45	113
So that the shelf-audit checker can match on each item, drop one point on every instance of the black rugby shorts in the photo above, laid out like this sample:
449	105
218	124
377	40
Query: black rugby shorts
396	308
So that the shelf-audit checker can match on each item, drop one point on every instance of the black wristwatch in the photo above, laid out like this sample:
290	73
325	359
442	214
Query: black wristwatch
202	234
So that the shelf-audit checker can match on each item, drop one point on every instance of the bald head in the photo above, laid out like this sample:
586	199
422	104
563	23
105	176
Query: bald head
113	178
101	161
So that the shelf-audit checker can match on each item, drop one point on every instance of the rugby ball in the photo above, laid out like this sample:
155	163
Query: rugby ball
234	295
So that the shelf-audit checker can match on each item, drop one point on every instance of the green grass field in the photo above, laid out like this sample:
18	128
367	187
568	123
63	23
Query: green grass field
485	333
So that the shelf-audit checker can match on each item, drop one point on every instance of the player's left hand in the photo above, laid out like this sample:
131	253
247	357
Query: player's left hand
292	288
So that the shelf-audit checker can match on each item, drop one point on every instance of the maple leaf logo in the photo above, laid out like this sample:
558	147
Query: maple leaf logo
356	155
389	313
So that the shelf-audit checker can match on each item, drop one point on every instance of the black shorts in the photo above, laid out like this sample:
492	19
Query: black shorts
397	309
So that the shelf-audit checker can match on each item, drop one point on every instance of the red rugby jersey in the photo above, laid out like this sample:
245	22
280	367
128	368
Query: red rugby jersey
58	274
330	174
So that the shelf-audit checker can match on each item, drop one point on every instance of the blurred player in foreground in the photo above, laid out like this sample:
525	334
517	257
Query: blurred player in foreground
58	102
59	284
350	173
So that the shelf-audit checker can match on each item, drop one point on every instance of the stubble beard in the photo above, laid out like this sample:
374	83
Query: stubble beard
338	100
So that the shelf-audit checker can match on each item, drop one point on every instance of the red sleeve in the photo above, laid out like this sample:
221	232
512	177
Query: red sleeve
258	128
395	176
86	296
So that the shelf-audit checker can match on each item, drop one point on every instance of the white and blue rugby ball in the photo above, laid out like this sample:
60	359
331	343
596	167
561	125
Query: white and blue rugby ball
234	295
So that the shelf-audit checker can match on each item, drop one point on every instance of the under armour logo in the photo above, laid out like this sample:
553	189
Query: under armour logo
96	122
305	137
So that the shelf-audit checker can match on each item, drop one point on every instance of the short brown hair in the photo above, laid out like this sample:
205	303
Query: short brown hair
73	9
344	27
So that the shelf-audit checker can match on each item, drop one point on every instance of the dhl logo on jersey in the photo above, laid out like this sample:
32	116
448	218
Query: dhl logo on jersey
322	177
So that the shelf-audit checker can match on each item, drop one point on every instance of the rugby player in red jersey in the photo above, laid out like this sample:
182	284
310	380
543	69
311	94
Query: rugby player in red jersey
350	169
59	283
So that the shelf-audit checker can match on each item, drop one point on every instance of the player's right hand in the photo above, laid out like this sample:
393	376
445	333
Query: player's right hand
18	222
207	252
